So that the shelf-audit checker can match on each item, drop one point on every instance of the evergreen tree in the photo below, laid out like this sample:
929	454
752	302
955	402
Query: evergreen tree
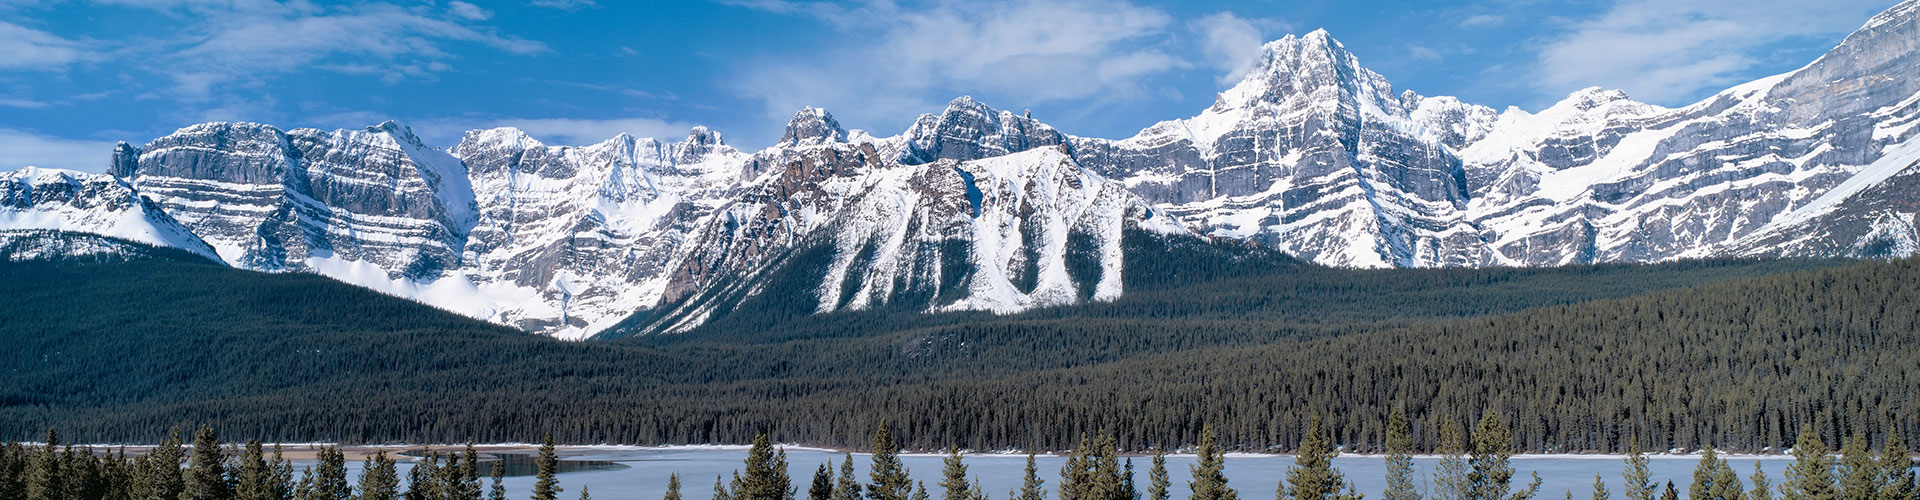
379	478
1600	489
1032	487
1670	493
161	478
766	477
822	488
1490	474
889	476
1399	460
1714	479
1209	475
206	476
498	470
1158	483
469	477
1131	491
1312	476
1092	471
279	476
1859	473
1896	470
545	487
954	476
673	487
846	486
1639	480
584	495
1450	480
252	475
330	476
44	477
720	489
1762	488
1810	476
13	471
423	478
920	491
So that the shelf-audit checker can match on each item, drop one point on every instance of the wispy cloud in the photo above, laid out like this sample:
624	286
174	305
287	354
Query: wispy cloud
1230	43
1670	51
19	148
23	48
563	4
446	132
1482	21
898	60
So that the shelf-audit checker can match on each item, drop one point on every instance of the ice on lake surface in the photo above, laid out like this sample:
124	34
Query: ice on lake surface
645	474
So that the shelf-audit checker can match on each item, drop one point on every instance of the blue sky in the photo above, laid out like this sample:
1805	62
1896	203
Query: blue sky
77	76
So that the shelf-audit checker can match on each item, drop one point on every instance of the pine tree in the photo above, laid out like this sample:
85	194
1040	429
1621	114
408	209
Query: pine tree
1129	490
720	489
206	476
1399	460
920	491
1158	483
822	488
423	478
1762	488
1639	480
889	476
544	485
1859	473
1450	480
1670	493
1713	479
846	486
330	476
44	477
1031	487
1897	480
954	476
1209	475
766	477
1810	476
1312	476
498	471
1600	489
584	495
673	487
252	475
279	476
469	477
379	478
1490	474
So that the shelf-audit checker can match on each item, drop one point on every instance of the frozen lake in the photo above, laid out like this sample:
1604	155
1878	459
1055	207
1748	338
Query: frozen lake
644	475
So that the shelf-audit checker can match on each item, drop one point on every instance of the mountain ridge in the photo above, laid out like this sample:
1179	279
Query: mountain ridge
1311	154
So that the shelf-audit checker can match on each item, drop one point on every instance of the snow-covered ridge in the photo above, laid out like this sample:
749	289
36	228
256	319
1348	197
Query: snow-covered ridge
1311	153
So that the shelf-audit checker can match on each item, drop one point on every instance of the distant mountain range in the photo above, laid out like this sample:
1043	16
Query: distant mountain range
982	209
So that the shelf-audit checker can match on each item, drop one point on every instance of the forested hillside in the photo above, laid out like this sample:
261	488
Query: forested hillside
1737	354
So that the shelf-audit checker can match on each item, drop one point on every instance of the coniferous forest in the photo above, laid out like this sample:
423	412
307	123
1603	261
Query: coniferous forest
1733	354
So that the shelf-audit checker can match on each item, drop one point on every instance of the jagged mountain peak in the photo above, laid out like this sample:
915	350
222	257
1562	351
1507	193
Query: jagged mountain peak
812	125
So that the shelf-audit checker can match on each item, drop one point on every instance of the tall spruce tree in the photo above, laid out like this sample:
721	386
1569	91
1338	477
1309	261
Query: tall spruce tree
720	489
1670	493
1450	480
766	477
1810	476
890	481
379	478
1158	483
822	488
423	479
953	474
161	478
498	471
1209	473
1638	478
1130	490
1312	476
1762	488
545	487
1600	489
252	475
469	485
1714	479
279	476
44	477
1490	474
920	491
846	486
206	476
673	487
1897	480
1859	473
330	476
1400	483
1031	487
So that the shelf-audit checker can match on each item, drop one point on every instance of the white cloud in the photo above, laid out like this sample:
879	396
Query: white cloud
230	43
1423	53
1482	21
26	48
898	60
20	148
468	11
563	4
446	132
1231	43
1669	51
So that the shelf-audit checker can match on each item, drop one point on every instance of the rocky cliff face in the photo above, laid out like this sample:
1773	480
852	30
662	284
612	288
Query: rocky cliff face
981	209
